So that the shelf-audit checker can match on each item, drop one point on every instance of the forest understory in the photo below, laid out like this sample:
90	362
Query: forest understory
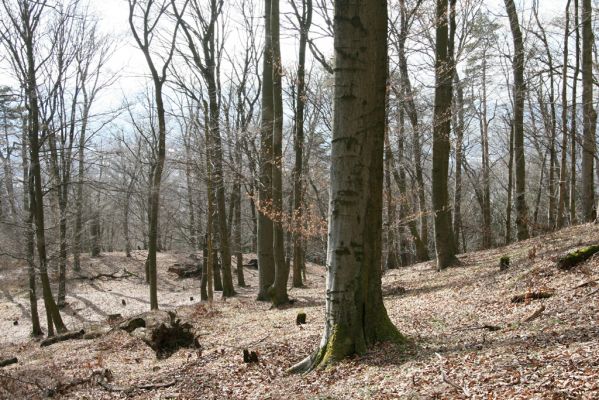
470	337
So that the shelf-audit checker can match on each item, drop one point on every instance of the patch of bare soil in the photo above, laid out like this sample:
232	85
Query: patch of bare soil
469	339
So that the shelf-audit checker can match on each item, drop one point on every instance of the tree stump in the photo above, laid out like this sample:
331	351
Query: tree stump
300	319
504	263
162	331
250	356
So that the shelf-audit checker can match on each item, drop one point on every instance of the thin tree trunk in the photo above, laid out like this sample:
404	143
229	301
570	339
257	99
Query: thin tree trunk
519	92
487	241
574	116
510	180
589	116
278	292
299	262
564	150
458	117
412	113
36	329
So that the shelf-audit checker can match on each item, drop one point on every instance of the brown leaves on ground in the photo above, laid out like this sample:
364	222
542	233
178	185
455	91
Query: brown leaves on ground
554	355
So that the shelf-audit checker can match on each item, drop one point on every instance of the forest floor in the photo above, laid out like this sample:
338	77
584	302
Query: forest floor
469	339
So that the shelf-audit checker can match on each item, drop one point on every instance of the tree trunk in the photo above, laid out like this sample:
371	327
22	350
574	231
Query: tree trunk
589	116
299	262
573	120
510	180
519	92
36	329
412	113
486	206
444	241
278	291
564	151
458	117
355	314
266	262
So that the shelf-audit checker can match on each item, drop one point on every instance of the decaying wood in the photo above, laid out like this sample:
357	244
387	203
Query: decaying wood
488	327
250	356
62	337
115	275
130	389
8	361
186	270
542	294
162	331
573	258
535	314
300	319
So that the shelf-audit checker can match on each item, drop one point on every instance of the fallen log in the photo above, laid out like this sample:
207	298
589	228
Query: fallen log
62	337
8	361
184	271
115	275
573	258
542	294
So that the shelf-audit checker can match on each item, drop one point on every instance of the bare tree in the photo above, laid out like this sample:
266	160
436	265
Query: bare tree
149	14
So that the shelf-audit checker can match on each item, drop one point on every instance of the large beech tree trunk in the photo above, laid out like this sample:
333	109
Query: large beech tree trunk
518	124
278	291
355	315
266	262
444	241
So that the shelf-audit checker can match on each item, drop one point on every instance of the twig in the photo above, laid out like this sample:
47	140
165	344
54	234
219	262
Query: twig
128	389
590	282
125	274
488	327
535	314
61	338
25	381
462	388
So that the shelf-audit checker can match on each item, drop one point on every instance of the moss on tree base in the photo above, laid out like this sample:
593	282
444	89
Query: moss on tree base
341	344
573	258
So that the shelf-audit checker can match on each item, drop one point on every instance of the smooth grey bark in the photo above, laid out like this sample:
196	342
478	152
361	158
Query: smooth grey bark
563	176
28	216
573	118
458	126
518	124
444	71
299	263
589	212
266	262
355	314
278	290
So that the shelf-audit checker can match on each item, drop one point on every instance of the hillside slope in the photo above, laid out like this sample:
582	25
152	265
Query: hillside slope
470	339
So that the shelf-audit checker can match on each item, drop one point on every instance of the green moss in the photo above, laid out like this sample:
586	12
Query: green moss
574	258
